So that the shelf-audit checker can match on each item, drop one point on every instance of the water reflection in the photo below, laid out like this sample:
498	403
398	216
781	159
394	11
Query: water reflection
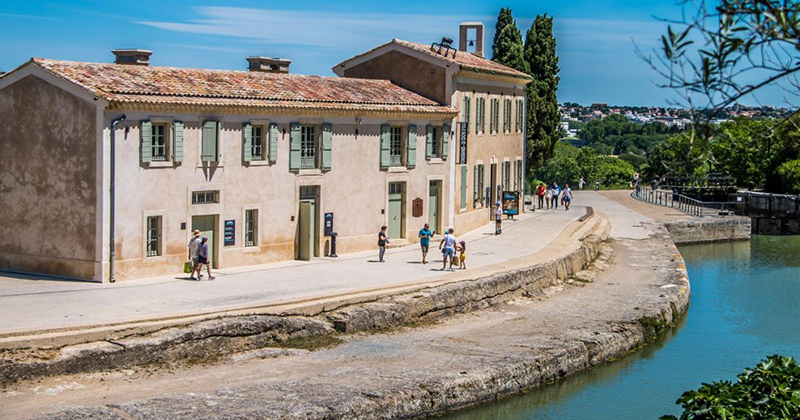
744	307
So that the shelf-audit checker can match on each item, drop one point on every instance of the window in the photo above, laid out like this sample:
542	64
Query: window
396	146
205	197
257	143
153	236
251	227
520	110
210	146
436	149
308	147
506	175
481	184
466	110
507	116
480	116
494	122
159	142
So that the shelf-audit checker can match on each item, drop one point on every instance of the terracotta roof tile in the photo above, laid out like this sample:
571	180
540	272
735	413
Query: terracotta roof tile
466	60
186	86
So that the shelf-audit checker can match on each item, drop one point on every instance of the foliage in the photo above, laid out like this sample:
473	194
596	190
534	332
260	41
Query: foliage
543	116
790	176
504	18
636	161
769	391
677	156
624	136
570	163
508	47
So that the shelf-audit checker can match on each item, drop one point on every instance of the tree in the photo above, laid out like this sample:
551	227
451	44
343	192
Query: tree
509	50
543	116
504	18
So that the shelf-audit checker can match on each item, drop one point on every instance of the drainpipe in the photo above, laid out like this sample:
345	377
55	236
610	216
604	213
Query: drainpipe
525	148
111	240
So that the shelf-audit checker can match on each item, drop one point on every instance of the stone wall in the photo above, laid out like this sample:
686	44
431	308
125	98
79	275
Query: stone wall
693	231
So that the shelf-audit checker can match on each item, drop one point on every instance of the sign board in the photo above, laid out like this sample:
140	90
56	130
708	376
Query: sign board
328	224
463	132
511	202
416	207
230	232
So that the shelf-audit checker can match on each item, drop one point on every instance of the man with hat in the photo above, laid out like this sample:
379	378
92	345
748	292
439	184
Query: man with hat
194	247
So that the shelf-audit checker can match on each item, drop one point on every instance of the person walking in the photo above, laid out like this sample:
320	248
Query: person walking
548	196
581	182
556	193
567	197
202	255
194	247
540	190
448	247
498	219
425	236
382	241
462	249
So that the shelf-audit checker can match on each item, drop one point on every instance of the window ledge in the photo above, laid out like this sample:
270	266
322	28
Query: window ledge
210	164
309	172
161	164
435	161
464	210
250	249
264	162
156	258
398	169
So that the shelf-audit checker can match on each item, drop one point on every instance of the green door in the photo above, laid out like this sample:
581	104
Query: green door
305	239
433	206
207	225
395	210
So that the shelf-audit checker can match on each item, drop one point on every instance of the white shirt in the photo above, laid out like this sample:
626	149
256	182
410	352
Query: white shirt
449	241
194	246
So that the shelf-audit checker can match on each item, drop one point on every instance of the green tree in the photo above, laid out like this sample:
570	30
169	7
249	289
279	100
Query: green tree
789	173
504	18
543	116
508	49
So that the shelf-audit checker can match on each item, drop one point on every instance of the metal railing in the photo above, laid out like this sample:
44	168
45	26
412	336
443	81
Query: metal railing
688	205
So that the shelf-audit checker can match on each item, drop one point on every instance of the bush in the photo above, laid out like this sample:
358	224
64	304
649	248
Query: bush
790	176
769	391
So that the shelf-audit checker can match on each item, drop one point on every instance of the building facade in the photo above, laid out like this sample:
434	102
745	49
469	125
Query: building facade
264	163
487	137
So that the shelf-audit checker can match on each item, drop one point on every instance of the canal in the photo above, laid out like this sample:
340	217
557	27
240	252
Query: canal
745	305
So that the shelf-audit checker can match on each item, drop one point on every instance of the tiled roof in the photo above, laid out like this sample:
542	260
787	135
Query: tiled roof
126	84
465	60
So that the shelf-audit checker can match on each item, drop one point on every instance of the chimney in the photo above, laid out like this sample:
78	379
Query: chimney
132	57
477	42
269	64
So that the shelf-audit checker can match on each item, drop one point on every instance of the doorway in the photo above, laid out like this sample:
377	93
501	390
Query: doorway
307	223
434	205
396	210
207	225
493	196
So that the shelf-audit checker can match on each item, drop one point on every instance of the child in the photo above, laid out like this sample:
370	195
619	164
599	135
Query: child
463	256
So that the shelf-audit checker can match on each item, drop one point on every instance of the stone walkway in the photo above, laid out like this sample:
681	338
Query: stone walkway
41	304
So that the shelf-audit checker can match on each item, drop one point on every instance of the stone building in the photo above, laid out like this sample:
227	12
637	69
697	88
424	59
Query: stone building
490	98
255	159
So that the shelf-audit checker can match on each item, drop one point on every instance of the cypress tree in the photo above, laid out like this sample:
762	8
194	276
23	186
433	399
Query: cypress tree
508	49
504	19
543	116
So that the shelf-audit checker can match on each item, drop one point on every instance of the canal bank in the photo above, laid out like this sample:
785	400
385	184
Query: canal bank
469	358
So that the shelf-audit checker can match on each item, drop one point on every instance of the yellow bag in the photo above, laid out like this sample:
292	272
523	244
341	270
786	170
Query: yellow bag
187	267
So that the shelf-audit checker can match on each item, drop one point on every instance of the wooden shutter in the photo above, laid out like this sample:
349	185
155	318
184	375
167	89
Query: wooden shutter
483	115
177	141
386	138
247	142
146	142
503	176
209	147
327	143
429	142
475	185
445	140
273	143
412	146
295	136
463	186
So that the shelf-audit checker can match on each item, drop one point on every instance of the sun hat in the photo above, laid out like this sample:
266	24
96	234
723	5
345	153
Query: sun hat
197	232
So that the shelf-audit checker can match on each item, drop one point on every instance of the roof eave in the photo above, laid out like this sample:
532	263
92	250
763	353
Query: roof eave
470	71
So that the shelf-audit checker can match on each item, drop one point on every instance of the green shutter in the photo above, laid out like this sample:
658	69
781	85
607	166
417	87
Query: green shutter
429	142
294	146
177	141
503	176
273	143
412	146
146	143
209	147
516	175
483	115
475	185
445	140
385	145
463	186
327	143
247	142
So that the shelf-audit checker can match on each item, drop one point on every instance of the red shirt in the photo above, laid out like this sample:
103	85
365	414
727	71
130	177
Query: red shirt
540	190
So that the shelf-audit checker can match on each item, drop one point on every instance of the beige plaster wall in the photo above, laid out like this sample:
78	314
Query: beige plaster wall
355	190
416	75
47	180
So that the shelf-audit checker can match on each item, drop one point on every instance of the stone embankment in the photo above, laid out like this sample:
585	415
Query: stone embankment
712	229
570	253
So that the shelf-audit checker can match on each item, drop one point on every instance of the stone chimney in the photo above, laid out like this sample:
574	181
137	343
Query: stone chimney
132	57
269	64
464	43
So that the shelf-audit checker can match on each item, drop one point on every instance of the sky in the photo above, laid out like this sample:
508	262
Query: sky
596	40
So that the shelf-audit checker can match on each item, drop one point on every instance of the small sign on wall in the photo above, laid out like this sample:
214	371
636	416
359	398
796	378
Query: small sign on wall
416	207
462	143
230	233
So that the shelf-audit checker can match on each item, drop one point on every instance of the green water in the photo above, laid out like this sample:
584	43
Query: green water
745	305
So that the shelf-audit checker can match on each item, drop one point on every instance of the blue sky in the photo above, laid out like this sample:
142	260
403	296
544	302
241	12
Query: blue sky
595	38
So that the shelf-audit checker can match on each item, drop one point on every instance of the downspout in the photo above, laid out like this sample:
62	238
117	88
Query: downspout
525	148
112	189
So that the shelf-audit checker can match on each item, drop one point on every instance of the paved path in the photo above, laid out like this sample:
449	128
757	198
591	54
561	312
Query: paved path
29	303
